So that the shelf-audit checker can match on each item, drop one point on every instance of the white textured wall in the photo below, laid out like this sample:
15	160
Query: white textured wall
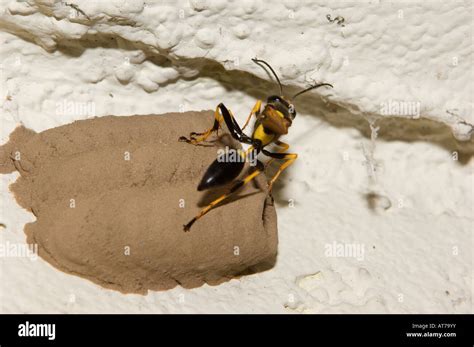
416	51
136	57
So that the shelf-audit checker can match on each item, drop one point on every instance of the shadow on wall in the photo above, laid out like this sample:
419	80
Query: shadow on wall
391	129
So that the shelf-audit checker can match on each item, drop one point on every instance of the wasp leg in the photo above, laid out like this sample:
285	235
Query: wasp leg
255	111
284	148
289	157
234	127
231	123
239	184
203	136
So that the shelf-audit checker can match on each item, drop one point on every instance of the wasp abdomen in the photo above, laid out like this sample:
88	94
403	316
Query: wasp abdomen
219	173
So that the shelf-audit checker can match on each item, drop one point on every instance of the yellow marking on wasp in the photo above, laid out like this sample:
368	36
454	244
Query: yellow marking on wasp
251	176
255	111
209	207
225	196
203	136
279	113
283	148
261	135
290	158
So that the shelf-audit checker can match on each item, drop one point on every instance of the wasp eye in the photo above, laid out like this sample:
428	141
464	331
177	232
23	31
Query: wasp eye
273	98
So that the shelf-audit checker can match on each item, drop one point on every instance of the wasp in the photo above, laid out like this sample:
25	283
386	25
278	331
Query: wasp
271	122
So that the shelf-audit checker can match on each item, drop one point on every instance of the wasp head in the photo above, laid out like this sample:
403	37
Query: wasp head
286	108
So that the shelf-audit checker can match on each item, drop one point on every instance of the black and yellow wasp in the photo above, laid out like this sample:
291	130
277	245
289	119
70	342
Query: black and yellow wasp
271	123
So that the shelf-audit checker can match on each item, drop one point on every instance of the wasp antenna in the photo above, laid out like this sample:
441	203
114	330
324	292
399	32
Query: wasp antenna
258	61
312	87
